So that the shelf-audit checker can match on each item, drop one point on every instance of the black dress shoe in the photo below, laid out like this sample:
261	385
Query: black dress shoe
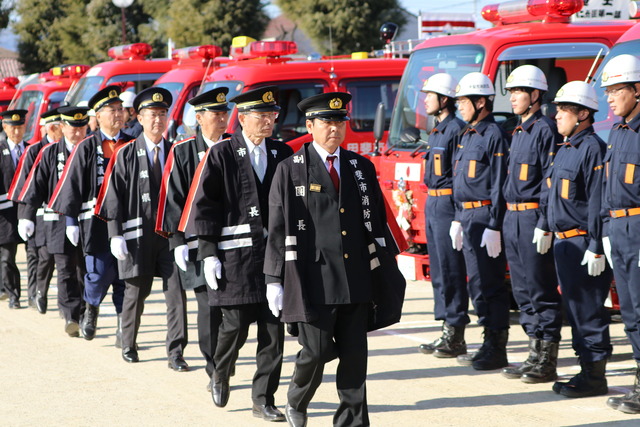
41	302
295	418
14	302
130	355
72	328
220	393
177	363
267	413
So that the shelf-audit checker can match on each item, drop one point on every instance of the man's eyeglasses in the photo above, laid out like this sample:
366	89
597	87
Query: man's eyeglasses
264	116
616	92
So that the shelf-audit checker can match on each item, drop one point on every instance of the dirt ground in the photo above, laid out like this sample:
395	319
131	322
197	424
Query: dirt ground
50	379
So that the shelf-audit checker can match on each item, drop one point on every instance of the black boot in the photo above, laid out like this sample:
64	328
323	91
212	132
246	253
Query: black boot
534	348
429	348
119	331
630	402
496	355
591	381
469	358
545	370
89	322
453	342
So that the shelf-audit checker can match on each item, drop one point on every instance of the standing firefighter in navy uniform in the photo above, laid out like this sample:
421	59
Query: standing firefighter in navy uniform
573	213
40	262
327	240
212	114
227	209
128	200
75	196
37	190
621	205
527	238
448	271
13	123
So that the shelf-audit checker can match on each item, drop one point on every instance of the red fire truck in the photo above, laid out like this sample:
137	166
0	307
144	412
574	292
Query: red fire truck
185	79
44	92
265	63
129	67
540	33
7	91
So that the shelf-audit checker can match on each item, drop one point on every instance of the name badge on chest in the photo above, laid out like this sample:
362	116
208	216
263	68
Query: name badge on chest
315	187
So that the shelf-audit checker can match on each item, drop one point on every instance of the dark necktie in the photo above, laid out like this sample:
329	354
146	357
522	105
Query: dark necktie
333	173
18	153
157	169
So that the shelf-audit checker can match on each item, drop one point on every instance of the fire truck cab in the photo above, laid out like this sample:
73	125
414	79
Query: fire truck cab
184	81
129	68
7	91
264	63
44	92
540	33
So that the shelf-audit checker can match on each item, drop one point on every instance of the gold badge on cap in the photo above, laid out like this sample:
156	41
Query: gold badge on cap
335	104
78	116
605	76
510	78
157	97
113	94
221	97
457	88
15	117
560	92
267	97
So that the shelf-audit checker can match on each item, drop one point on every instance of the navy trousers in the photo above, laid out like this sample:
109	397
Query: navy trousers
102	272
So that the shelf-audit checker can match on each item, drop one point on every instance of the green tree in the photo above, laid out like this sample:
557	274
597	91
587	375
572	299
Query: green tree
194	22
6	7
353	24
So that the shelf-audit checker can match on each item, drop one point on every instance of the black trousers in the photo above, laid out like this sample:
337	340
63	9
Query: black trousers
44	270
136	292
209	321
9	270
341	329
232	336
32	271
70	273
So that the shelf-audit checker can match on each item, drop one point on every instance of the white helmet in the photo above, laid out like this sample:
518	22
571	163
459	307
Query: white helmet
441	83
527	76
578	92
475	84
127	98
621	69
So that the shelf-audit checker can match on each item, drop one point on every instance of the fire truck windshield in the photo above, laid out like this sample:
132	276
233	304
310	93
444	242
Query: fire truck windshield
31	100
85	89
409	110
175	88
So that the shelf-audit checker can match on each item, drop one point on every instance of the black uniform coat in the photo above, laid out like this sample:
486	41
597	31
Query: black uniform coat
25	165
8	209
128	200
227	208
39	187
328	248
77	190
179	169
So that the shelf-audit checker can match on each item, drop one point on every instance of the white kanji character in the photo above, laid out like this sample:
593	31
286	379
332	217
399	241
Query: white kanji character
301	225
242	151
253	211
145	197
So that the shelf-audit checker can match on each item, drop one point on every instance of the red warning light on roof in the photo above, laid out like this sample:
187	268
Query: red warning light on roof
130	51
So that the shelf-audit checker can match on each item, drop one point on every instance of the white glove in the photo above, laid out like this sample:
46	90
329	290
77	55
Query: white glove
181	255
595	263
606	244
455	232
26	227
212	271
491	239
542	240
119	248
274	297
73	234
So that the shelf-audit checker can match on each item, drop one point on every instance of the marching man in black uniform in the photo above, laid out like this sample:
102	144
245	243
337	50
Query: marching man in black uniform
13	124
527	238
478	178
128	200
75	196
37	190
40	263
228	209
328	242
573	213
621	204
212	115
448	272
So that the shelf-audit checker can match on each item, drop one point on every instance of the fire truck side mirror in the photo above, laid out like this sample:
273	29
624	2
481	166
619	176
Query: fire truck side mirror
379	123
